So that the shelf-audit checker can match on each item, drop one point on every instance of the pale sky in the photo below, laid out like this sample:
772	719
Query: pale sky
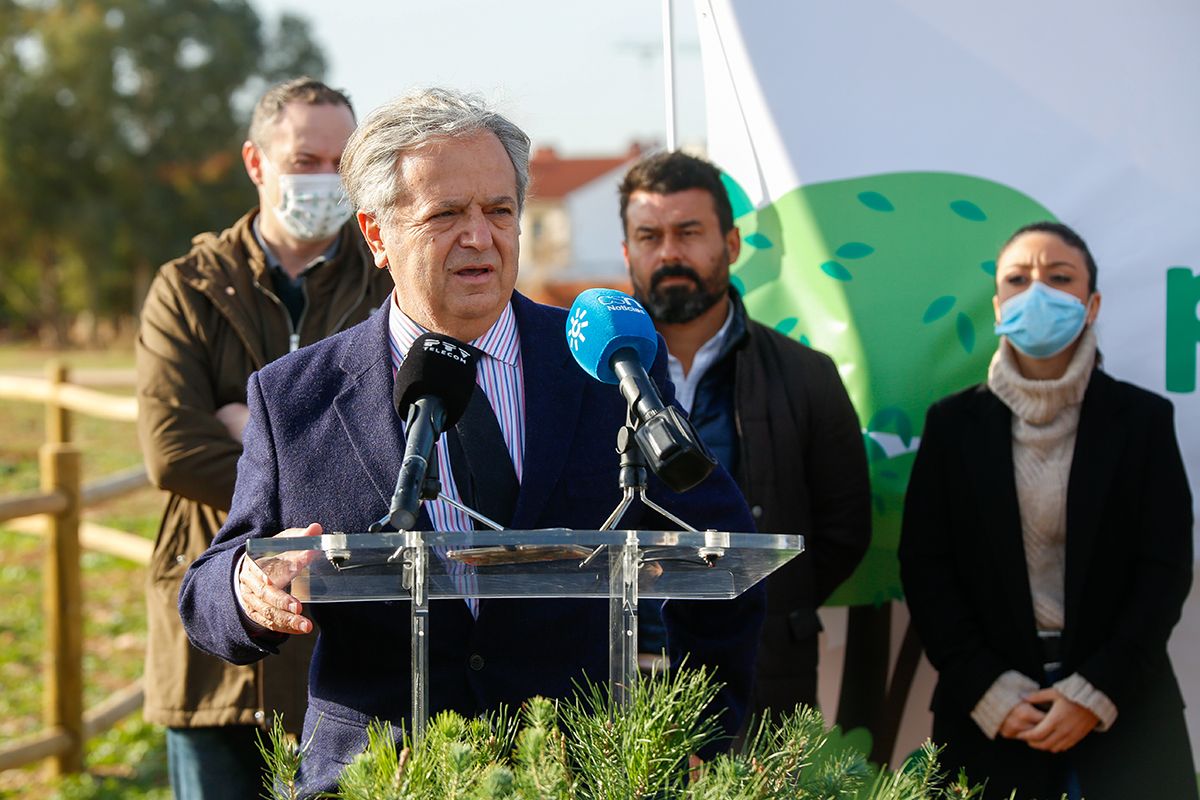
586	78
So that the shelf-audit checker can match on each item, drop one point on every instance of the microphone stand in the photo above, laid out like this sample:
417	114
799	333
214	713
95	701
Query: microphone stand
431	489
624	563
632	479
415	579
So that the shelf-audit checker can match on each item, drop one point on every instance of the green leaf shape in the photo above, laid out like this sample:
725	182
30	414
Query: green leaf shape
738	283
836	271
968	210
759	240
859	740
785	326
938	308
875	201
738	198
988	267
804	341
875	451
892	417
966	332
854	250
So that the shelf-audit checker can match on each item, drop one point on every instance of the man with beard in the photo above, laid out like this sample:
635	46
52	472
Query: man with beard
774	412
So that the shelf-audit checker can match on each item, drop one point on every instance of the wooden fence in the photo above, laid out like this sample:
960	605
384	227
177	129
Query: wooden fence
59	504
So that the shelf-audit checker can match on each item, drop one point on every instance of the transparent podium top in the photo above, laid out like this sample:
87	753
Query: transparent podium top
554	562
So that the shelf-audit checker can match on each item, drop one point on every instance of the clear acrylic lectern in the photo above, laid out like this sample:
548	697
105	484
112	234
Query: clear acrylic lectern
622	565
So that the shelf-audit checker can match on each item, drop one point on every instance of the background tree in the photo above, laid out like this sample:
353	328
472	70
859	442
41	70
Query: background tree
120	127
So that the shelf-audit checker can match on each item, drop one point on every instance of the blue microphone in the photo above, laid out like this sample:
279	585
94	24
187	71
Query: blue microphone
613	339
601	322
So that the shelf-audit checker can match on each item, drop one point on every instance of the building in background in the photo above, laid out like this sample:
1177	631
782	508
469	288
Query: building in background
570	228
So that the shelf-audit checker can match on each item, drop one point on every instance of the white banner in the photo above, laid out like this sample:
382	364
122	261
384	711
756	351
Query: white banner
882	152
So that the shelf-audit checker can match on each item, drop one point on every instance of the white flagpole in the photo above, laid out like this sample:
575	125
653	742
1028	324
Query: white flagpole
669	71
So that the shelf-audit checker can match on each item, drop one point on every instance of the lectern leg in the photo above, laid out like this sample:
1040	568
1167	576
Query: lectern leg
419	576
622	619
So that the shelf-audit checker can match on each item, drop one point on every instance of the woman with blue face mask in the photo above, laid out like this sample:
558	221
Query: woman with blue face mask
1045	299
1046	552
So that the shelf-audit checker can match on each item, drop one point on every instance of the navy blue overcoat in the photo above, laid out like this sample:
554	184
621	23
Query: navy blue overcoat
324	444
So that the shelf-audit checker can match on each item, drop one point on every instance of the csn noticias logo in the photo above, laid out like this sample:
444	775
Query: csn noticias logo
575	333
620	302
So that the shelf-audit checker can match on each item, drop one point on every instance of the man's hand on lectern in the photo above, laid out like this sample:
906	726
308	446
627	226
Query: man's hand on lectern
259	594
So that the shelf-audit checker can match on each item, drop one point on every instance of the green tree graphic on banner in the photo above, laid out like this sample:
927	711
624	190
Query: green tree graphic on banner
892	275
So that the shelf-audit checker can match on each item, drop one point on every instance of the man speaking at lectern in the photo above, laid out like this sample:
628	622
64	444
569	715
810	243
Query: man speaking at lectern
439	181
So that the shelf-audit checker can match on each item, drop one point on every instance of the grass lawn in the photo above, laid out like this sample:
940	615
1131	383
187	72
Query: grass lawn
129	761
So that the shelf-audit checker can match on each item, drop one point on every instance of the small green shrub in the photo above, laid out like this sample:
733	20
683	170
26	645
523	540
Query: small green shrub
591	749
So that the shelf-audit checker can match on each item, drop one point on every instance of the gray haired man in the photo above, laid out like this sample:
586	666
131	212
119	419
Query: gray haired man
439	180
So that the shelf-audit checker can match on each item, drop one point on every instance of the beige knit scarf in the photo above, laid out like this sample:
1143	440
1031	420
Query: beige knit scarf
1045	419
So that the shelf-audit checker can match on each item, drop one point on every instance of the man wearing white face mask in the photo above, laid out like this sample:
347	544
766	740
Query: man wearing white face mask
291	271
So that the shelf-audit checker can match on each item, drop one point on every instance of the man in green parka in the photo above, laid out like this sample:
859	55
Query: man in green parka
291	271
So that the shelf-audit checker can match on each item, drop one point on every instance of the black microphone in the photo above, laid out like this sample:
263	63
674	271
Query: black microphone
612	338
666	437
433	386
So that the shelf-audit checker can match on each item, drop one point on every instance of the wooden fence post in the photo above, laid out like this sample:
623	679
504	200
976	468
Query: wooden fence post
58	419
63	606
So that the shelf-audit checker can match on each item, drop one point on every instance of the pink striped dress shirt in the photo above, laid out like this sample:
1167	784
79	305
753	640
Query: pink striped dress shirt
499	375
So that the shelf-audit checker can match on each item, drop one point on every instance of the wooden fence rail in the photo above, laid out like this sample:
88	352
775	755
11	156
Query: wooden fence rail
27	505
55	512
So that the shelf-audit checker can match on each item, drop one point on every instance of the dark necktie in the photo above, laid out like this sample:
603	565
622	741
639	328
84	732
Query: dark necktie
479	459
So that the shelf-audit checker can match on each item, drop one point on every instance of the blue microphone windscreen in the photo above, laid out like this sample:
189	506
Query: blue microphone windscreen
601	322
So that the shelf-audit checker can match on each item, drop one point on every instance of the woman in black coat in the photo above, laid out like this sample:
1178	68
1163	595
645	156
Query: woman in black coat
1046	552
